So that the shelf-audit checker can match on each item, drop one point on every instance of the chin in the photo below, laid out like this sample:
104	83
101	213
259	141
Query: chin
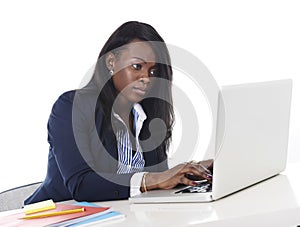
136	99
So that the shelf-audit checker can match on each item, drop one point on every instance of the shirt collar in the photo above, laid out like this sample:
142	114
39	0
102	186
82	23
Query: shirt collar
140	111
137	108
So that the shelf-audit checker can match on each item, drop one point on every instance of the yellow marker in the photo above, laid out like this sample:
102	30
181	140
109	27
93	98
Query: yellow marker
39	206
63	212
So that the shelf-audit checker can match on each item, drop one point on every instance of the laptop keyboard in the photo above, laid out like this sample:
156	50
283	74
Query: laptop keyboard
201	187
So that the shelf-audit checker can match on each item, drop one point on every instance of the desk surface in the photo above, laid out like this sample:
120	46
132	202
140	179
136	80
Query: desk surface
274	202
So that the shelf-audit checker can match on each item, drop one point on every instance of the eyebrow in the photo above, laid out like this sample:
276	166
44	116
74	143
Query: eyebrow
141	59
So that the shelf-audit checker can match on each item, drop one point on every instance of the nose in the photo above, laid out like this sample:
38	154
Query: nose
144	77
144	80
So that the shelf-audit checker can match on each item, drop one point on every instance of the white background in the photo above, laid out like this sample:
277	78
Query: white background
46	47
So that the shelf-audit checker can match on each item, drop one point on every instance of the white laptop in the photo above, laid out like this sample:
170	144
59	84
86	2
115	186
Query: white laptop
255	121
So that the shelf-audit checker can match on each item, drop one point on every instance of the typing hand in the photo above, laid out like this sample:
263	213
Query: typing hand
180	174
206	166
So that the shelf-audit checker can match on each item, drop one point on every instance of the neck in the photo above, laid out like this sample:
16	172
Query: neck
123	108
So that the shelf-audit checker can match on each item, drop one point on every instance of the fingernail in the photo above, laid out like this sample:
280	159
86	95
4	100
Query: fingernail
209	176
194	183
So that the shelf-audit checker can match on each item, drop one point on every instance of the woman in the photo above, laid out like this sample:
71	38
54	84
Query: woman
105	140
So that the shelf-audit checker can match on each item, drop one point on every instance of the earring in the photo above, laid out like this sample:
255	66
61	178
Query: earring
111	72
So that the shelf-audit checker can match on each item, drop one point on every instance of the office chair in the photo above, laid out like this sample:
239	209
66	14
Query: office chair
14	198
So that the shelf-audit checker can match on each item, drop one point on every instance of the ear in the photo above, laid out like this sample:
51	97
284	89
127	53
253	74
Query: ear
110	60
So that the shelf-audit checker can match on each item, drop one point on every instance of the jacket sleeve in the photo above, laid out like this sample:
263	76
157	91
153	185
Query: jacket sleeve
75	160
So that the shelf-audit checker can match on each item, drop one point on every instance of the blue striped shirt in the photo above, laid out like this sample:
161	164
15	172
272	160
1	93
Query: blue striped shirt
129	163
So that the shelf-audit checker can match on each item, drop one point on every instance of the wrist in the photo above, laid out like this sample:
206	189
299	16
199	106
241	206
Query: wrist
149	182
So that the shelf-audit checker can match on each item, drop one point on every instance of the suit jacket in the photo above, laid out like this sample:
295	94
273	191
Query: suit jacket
83	156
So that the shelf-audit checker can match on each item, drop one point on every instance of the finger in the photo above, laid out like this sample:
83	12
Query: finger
193	177
204	172
188	182
208	164
195	170
202	167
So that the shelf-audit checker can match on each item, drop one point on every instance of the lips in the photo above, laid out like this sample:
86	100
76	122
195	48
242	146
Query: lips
140	90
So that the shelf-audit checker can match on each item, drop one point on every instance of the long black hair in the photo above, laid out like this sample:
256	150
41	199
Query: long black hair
154	107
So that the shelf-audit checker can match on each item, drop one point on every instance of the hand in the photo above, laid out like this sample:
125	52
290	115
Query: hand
209	164
206	166
178	175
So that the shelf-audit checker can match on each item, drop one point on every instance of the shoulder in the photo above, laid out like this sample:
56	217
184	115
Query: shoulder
79	94
64	102
80	104
81	99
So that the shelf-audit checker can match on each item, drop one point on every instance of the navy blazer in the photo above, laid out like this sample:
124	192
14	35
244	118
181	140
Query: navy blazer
83	156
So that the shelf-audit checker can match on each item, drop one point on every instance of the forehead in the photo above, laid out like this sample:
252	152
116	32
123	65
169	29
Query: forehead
138	49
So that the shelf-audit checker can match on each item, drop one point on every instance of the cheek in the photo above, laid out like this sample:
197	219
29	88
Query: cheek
117	82
122	79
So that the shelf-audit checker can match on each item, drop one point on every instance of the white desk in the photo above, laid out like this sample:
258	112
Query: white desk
274	202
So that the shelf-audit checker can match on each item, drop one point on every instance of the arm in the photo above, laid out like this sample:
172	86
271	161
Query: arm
78	175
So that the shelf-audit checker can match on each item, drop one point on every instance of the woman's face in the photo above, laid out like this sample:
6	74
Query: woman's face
133	68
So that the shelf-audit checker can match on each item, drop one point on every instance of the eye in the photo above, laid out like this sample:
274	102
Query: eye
137	66
153	72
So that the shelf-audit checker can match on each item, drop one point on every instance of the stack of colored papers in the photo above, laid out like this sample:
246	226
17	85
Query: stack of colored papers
79	214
